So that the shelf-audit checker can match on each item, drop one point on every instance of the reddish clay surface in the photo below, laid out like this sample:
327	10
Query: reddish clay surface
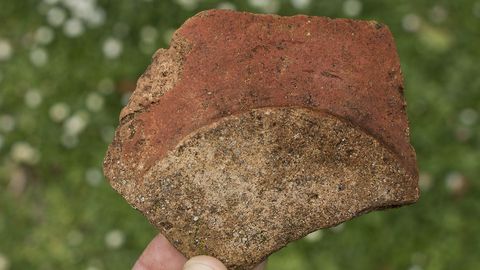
252	131
240	61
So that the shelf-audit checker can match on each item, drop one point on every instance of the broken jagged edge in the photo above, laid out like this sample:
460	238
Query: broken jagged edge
252	131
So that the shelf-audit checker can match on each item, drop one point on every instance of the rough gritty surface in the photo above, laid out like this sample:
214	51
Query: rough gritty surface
251	131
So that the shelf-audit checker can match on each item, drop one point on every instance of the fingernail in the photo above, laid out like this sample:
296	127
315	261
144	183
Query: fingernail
203	263
197	266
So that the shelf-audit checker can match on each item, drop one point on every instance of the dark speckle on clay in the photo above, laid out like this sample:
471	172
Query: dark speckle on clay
252	131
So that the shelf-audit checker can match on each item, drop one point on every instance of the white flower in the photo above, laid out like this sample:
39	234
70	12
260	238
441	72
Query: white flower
114	239
411	22
93	176
455	182
267	6
438	14
167	35
96	17
301	4
94	102
86	11
33	98
44	35
314	236
112	48
106	86
73	28
74	238
23	152
340	227
56	16
415	267
226	5
476	9
38	57
59	111
468	116
80	8
425	181
5	50
68	140
107	133
4	262
188	4
352	8
76	123
148	34
7	123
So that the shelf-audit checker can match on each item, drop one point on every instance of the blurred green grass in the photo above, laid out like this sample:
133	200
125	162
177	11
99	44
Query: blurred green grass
66	68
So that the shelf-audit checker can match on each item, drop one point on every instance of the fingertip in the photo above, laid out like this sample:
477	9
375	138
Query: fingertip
160	255
204	263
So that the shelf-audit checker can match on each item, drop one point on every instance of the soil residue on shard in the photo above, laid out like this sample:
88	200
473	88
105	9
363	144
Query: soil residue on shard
252	131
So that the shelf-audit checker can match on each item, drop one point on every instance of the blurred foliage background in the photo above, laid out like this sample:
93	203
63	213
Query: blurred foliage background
68	66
